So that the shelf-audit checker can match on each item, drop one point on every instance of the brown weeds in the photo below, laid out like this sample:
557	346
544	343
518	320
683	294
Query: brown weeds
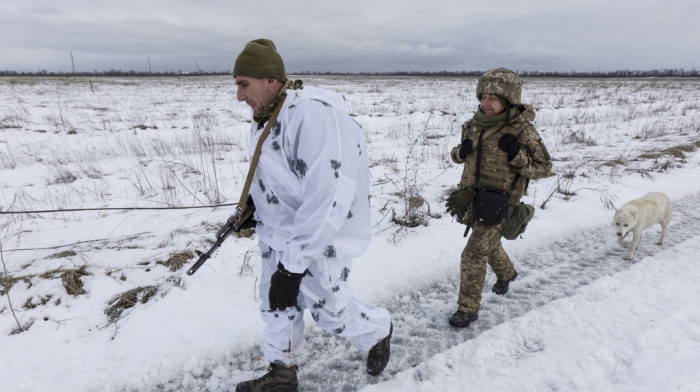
128	300
72	282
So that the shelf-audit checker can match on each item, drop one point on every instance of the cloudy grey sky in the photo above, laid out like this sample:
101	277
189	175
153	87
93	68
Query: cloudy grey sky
351	36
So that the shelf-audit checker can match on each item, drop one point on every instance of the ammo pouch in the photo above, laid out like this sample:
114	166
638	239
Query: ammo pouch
517	219
490	205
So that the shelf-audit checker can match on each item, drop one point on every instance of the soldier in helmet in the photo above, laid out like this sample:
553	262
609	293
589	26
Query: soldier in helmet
501	151
311	193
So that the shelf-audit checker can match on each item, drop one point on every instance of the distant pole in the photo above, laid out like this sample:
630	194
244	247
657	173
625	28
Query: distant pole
72	62
197	64
149	65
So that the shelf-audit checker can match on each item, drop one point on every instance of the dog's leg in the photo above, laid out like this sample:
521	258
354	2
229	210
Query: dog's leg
661	240
636	236
664	225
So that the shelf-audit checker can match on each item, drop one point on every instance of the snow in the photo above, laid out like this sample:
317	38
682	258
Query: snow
578	318
628	332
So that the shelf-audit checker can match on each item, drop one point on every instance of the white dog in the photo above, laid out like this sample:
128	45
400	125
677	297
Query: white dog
638	215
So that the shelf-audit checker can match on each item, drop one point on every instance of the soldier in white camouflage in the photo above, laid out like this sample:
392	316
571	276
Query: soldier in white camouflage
501	152
311	192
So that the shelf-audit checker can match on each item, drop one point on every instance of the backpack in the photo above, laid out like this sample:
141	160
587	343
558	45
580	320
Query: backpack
517	219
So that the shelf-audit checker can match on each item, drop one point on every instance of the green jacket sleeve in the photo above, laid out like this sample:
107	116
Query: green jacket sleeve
533	160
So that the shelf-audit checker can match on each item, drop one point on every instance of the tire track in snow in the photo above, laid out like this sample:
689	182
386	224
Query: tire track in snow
420	317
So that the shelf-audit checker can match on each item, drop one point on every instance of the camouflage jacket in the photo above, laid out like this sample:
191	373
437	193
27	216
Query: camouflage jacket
531	162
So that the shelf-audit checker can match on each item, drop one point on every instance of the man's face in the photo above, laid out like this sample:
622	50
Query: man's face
490	105
257	93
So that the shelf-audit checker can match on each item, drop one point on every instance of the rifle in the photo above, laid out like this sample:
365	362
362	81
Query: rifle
233	225
237	220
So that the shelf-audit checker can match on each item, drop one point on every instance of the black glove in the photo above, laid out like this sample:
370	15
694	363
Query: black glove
459	201
509	143
466	148
284	288
250	223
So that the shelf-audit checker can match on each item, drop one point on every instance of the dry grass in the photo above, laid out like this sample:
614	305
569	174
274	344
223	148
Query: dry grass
64	254
128	300
72	282
177	260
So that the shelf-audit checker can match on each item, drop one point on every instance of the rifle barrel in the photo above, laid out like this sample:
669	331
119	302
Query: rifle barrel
224	232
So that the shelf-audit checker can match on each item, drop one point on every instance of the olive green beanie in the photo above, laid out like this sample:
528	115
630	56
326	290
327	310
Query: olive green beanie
259	59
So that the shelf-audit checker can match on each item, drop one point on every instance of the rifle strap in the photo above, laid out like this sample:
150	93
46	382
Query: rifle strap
256	157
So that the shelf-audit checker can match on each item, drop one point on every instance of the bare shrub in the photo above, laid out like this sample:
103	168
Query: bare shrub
563	187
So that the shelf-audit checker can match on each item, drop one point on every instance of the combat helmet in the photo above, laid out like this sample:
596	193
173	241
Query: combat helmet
500	81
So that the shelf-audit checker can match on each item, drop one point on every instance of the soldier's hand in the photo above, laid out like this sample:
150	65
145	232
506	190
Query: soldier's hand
284	288
510	145
458	202
246	216
466	148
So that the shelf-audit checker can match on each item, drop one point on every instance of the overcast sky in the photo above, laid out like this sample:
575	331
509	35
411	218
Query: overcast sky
351	36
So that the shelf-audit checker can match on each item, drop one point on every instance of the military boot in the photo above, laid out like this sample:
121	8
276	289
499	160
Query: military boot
378	355
462	319
277	379
501	286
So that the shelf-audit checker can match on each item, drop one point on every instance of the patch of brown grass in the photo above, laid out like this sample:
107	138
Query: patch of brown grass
614	162
245	233
129	299
72	282
6	282
41	301
177	260
65	253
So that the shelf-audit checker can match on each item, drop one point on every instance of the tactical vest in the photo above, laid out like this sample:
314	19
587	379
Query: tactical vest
494	170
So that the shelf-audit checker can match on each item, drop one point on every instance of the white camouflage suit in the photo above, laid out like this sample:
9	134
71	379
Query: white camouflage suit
311	193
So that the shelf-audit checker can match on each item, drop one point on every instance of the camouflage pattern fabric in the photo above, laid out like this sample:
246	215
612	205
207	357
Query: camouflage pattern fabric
532	161
484	247
500	81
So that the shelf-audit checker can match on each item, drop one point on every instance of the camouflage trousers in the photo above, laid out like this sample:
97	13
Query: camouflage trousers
326	293
484	247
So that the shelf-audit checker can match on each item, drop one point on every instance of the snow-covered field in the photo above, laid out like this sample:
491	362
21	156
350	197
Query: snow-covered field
99	300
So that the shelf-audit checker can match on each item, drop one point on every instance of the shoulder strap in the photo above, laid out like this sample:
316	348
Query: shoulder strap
256	157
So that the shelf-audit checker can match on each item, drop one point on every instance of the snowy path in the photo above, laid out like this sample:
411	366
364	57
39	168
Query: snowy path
420	318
